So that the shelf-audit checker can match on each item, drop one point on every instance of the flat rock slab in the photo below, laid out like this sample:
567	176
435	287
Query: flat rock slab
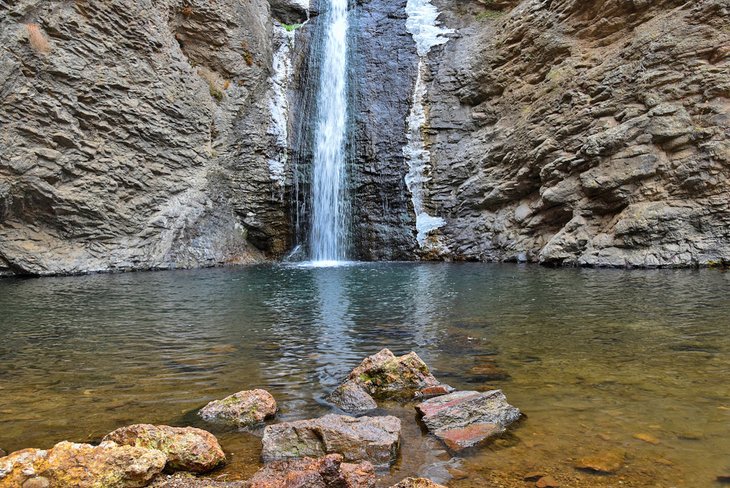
373	439
68	464
245	408
465	418
607	462
186	448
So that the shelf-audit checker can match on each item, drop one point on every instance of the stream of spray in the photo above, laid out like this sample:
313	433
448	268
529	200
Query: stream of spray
330	214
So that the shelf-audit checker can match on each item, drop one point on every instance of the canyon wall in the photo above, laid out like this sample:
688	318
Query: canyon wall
175	133
582	133
139	135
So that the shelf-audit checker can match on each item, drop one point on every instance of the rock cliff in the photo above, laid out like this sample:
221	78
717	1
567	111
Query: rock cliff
582	133
174	133
137	135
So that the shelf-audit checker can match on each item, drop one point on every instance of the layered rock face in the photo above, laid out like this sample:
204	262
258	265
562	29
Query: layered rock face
137	135
582	133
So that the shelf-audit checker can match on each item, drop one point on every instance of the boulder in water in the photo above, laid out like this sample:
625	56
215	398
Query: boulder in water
607	462
82	465
352	398
465	418
373	439
245	408
186	448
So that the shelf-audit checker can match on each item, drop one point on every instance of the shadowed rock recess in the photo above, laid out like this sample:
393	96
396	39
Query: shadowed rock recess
158	134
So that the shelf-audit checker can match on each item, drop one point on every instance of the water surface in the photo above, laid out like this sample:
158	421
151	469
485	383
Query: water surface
593	357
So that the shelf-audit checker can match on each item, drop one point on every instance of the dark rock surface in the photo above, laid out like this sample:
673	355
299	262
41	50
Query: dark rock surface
383	66
583	133
466	418
123	143
372	439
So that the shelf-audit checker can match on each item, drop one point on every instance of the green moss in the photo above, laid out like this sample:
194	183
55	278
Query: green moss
291	27
216	92
489	14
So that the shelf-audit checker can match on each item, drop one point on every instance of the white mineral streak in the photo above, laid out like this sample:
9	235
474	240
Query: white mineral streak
423	25
279	102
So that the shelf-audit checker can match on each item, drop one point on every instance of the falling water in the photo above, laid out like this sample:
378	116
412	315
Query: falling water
329	229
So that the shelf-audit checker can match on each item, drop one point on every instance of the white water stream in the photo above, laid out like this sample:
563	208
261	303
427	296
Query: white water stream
330	215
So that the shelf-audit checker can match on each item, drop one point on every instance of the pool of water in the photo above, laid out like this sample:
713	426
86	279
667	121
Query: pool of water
594	358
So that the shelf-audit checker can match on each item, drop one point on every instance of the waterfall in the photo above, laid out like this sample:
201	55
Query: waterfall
330	210
422	23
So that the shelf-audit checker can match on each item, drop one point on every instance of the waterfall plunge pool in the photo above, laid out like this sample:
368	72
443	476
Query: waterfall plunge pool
594	358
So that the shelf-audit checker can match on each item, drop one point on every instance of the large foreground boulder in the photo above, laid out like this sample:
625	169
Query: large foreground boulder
68	465
327	472
465	418
373	439
244	409
385	375
186	448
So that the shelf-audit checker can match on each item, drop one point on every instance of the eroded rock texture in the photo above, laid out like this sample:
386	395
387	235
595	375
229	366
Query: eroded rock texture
583	133
136	135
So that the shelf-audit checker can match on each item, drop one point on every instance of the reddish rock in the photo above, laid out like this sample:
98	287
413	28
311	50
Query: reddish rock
245	408
186	448
69	464
547	482
434	391
417	483
466	418
327	472
374	439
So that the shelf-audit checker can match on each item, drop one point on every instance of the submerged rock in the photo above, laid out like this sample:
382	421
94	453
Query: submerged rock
465	418
245	408
373	439
326	472
68	464
607	462
186	448
3	453
352	398
417	483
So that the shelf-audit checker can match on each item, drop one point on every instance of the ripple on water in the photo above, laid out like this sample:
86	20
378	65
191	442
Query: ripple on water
598	359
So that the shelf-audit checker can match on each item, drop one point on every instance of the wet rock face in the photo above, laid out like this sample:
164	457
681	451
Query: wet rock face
466	418
186	448
582	133
383	65
82	465
372	439
122	148
244	409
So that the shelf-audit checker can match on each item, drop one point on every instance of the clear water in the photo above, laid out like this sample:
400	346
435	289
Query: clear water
328	239
592	357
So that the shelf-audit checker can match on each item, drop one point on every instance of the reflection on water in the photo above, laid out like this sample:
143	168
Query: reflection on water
593	357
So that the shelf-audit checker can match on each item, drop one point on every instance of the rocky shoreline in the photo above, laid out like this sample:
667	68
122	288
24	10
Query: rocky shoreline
333	451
